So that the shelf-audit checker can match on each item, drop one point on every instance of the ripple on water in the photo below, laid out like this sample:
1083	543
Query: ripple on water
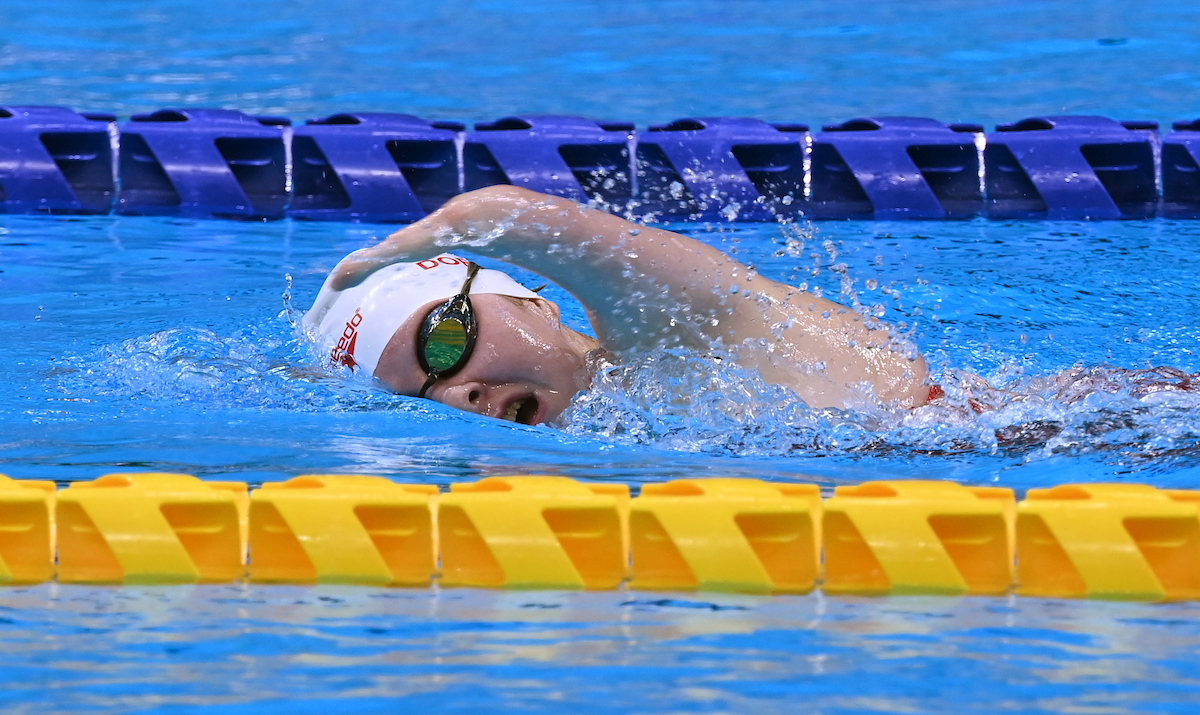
71	648
683	401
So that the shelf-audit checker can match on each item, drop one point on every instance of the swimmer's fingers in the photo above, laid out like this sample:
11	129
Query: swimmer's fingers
356	267
353	270
402	246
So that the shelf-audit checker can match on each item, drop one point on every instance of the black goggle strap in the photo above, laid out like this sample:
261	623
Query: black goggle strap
472	270
428	384
463	315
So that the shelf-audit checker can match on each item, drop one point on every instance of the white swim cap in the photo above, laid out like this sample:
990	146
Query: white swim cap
357	323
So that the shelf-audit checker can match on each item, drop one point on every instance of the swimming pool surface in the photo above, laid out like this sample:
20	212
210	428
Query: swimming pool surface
136	344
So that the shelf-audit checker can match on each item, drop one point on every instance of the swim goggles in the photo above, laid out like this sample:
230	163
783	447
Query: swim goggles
448	335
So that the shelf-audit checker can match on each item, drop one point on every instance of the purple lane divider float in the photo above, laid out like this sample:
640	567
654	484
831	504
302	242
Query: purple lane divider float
203	163
1071	168
722	169
574	157
1181	171
54	160
380	167
369	166
896	168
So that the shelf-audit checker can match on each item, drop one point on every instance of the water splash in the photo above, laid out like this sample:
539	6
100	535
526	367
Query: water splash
253	368
683	401
680	400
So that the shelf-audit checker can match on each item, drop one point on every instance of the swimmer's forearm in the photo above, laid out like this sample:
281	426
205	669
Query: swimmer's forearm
508	222
614	267
450	227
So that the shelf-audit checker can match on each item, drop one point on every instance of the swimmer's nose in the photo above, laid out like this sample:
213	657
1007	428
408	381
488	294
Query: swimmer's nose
466	396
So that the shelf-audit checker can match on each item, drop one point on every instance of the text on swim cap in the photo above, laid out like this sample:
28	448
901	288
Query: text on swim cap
442	260
343	352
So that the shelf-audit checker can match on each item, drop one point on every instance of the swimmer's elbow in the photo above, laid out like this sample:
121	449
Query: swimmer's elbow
919	391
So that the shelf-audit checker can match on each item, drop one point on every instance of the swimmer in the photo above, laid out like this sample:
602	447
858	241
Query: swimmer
434	325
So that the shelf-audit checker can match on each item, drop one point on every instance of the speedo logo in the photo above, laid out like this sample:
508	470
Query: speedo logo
441	261
343	352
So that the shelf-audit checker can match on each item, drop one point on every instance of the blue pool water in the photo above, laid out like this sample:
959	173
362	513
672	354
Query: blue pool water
317	650
160	344
166	344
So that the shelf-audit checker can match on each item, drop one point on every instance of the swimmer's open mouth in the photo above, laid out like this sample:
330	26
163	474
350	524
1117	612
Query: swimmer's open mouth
523	411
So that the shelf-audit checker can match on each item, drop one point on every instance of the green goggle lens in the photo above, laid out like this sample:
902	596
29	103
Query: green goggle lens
446	344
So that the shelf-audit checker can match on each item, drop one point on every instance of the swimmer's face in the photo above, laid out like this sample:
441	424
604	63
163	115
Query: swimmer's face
526	366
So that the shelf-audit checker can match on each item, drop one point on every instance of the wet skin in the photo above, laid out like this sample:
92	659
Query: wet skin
525	367
643	288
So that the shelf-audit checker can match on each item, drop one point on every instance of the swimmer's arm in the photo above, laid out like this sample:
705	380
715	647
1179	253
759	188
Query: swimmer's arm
641	286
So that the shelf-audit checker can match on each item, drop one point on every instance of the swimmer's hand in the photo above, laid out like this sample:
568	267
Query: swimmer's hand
493	221
408	244
358	266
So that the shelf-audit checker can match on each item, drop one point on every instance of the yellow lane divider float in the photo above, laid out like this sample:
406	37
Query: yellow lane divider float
343	529
26	531
533	532
1115	541
1123	541
919	537
726	535
151	528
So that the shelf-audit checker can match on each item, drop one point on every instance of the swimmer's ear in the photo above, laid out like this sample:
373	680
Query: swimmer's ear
546	308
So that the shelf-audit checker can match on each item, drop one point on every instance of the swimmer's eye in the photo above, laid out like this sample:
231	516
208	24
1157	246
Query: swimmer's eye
446	345
447	335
